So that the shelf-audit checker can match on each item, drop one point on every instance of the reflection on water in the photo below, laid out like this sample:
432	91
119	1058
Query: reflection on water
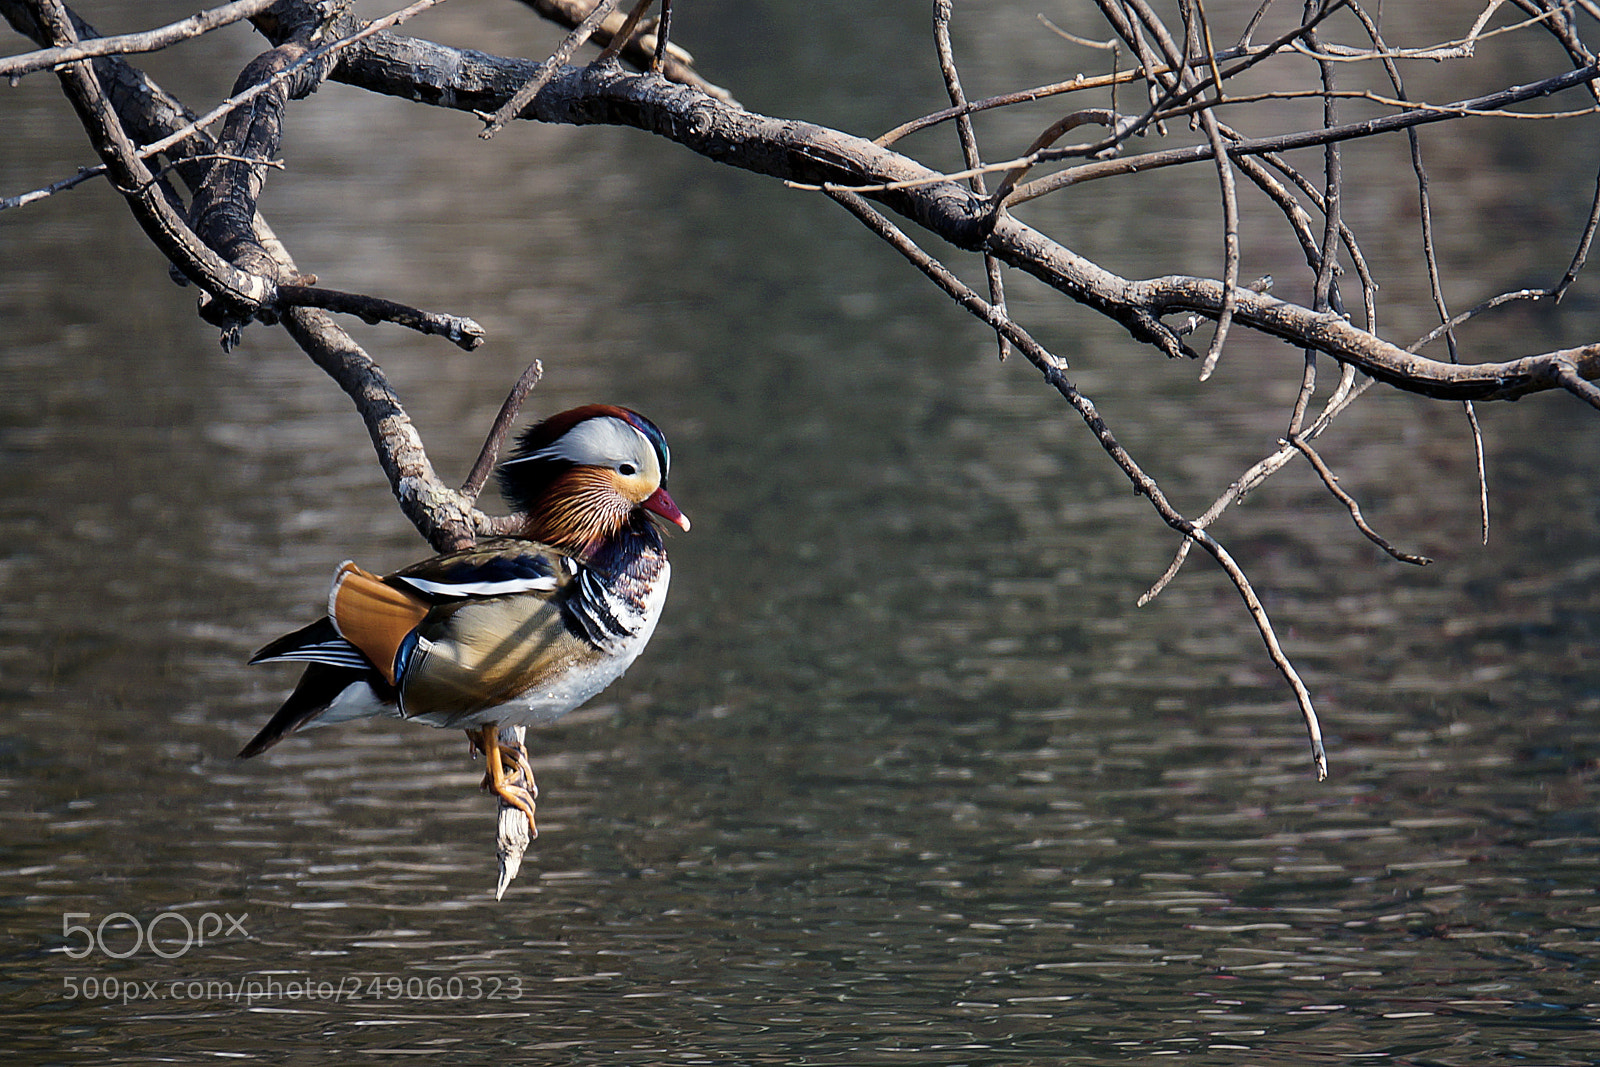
904	777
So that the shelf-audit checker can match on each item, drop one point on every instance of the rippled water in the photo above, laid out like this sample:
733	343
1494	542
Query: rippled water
904	776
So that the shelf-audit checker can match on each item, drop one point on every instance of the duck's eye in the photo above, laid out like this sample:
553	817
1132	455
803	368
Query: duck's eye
627	470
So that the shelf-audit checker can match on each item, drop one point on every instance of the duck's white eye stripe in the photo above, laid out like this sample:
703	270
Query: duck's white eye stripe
603	442
508	587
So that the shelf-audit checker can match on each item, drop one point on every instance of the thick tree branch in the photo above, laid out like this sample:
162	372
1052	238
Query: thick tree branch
225	203
445	518
803	152
240	293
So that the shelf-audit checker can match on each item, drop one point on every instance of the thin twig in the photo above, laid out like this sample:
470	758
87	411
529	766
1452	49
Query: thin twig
658	60
1053	133
1474	311
1566	373
1343	396
524	96
969	145
1331	480
1581	256
24	199
1230	244
1326	262
1250	27
460	331
130	43
1460	48
630	25
489	455
1416	116
933	178
1430	257
1054	370
652	50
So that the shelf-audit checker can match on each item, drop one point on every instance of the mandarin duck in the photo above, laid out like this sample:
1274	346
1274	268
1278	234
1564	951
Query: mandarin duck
516	630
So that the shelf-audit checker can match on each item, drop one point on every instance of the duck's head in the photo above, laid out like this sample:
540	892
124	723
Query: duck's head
578	477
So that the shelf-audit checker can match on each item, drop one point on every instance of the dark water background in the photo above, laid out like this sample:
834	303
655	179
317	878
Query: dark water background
905	777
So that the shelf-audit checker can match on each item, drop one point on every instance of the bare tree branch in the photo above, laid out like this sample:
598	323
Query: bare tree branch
1331	480
462	332
648	50
1420	115
512	108
444	517
1054	368
129	43
804	152
241	294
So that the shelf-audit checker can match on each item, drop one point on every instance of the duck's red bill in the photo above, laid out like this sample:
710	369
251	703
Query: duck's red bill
663	505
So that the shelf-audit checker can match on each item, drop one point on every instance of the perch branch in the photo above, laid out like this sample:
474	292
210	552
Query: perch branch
440	514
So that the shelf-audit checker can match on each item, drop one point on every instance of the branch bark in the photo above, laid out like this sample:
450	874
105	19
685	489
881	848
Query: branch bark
444	516
241	294
129	43
806	153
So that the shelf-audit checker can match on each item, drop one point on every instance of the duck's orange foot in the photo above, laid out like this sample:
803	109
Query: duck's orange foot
497	781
